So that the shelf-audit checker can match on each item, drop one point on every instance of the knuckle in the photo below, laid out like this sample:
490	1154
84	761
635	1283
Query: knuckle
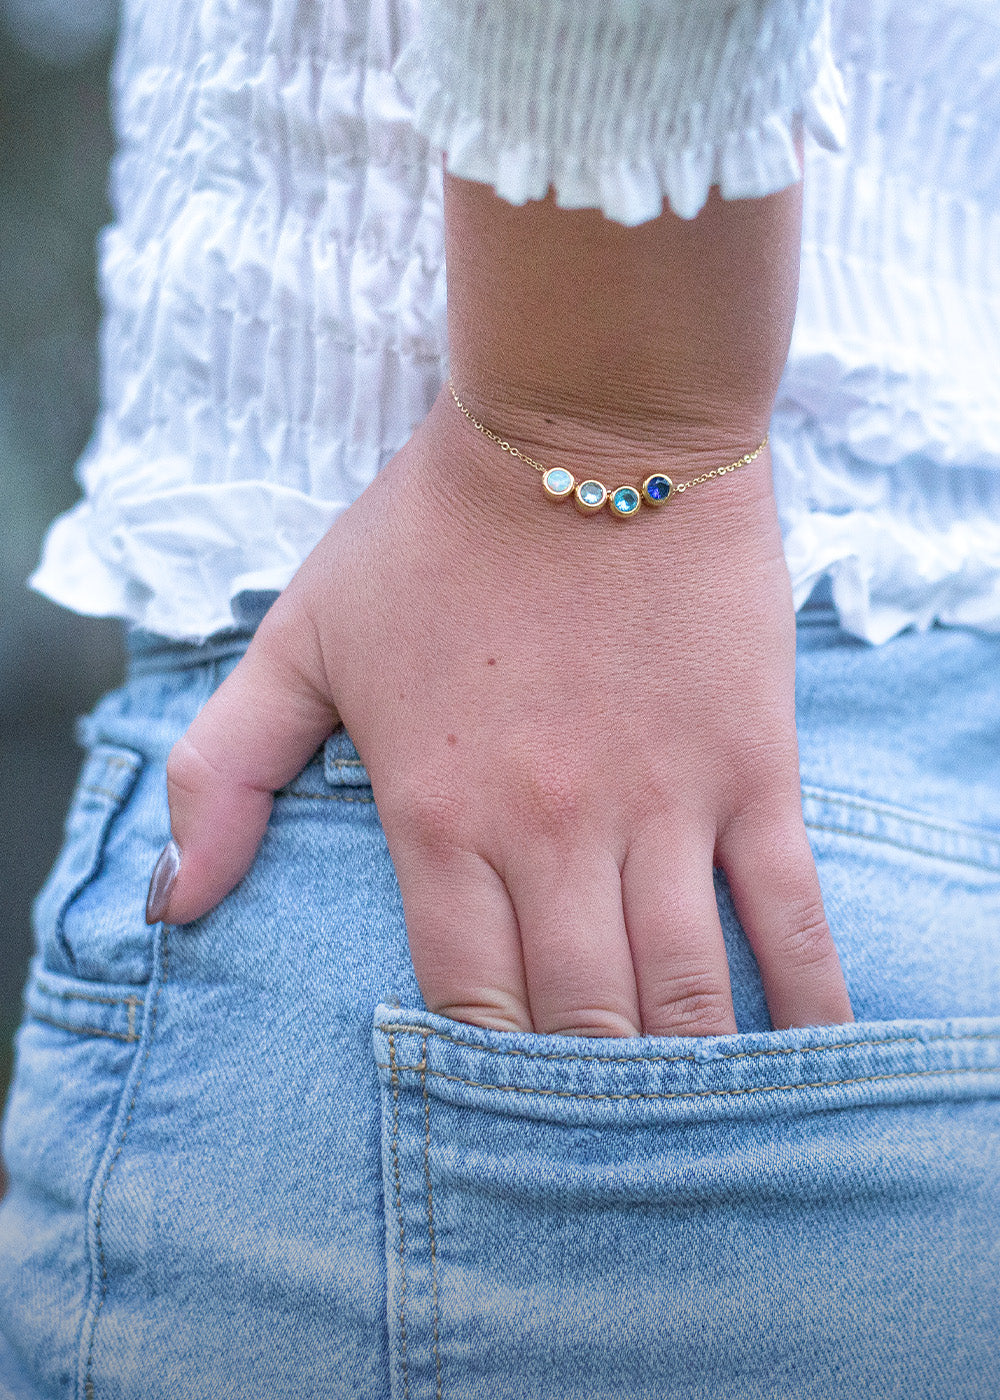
491	1013
689	1004
806	940
551	798
188	770
594	1022
429	810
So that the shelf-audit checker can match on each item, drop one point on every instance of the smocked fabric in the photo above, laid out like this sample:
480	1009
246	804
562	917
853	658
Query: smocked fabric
679	97
273	277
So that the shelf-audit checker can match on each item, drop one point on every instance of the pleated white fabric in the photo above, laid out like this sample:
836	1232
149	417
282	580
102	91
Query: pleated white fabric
273	278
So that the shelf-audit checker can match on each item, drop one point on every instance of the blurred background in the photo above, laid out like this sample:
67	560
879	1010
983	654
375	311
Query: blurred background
55	145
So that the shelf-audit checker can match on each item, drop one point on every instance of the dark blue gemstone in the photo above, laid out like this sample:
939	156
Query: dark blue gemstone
658	488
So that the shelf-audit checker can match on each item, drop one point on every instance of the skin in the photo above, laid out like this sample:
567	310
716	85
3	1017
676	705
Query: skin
567	721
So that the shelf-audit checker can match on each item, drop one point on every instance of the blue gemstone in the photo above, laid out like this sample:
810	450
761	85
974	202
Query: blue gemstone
626	499
590	493
658	487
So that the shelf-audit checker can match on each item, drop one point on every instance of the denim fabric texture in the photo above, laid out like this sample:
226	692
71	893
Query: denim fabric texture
245	1161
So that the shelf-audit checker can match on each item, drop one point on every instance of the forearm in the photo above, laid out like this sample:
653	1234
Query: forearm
670	335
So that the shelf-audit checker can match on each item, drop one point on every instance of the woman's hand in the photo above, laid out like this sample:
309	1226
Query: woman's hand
566	722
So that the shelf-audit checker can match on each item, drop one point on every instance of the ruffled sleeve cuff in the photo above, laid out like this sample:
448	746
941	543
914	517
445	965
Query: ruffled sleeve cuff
622	104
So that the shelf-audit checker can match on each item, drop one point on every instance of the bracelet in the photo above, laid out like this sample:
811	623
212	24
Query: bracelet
590	496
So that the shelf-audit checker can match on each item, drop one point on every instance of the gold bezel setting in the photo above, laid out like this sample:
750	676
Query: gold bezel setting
592	488
653	492
624	502
558	483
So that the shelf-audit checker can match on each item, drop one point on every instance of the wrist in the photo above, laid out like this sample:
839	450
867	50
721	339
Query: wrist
670	335
558	450
498	495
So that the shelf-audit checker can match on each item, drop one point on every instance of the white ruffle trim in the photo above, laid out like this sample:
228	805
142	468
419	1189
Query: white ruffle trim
174	563
888	575
630	186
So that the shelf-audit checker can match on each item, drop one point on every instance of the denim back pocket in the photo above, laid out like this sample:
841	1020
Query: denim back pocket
913	900
88	915
808	1212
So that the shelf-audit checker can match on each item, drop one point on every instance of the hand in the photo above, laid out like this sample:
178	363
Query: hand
566	720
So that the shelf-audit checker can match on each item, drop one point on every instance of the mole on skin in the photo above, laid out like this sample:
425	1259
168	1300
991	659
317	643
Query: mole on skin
452	738
491	661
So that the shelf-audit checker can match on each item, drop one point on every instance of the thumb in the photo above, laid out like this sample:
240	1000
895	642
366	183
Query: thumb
256	732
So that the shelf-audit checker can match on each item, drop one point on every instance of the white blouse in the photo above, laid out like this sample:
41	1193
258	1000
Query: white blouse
273	278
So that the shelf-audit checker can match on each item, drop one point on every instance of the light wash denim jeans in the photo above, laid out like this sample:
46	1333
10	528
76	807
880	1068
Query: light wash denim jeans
245	1161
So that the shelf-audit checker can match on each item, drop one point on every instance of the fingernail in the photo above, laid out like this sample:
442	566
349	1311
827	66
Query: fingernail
164	874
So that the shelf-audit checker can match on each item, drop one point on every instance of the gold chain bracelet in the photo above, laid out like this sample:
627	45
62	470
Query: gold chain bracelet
590	496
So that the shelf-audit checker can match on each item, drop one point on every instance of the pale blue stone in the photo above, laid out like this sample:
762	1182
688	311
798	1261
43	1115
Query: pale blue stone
590	493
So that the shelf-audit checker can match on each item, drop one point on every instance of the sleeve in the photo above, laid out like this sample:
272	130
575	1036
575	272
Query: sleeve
621	104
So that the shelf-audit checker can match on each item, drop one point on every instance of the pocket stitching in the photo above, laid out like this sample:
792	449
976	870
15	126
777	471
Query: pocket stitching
678	1059
430	1213
695	1093
399	1209
327	796
129	1038
88	1371
43	986
975	846
822	794
951	858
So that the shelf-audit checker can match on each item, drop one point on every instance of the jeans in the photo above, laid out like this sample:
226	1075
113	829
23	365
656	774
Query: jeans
245	1161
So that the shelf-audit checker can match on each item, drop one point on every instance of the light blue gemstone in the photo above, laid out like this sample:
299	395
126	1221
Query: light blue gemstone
591	494
626	499
559	480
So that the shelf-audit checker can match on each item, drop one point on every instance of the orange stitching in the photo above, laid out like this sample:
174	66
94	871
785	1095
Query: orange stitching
88	1373
119	761
82	996
399	1214
698	1093
83	1030
689	1059
541	1054
430	1216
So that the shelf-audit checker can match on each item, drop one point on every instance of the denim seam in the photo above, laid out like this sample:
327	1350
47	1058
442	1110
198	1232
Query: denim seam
346	763
129	1037
689	1059
698	1093
101	792
884	809
88	1372
955	859
327	796
430	1217
83	996
399	1216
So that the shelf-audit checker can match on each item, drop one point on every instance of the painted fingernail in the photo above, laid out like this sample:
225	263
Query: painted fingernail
164	874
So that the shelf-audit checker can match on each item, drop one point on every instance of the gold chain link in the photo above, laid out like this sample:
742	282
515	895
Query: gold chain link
679	487
494	437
